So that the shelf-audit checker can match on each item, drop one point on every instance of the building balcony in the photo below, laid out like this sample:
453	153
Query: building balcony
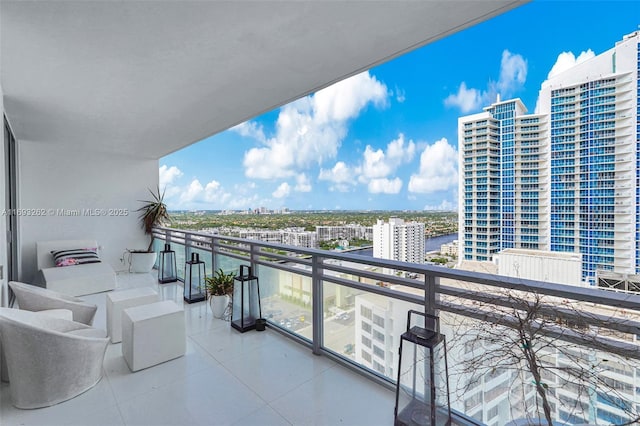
225	377
313	355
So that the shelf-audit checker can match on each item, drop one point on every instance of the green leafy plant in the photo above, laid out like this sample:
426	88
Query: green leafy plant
153	213
220	284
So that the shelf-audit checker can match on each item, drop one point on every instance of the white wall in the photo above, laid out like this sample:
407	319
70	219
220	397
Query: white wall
559	268
55	177
3	219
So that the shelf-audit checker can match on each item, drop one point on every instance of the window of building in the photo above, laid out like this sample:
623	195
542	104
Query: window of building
378	367
379	321
365	312
377	351
366	341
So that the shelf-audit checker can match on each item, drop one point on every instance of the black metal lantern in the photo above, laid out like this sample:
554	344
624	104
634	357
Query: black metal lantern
194	284
246	300
422	392
167	272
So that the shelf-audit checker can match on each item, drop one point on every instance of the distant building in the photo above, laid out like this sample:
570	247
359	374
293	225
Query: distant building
262	235
399	240
294	237
346	232
381	321
564	179
540	265
306	239
450	249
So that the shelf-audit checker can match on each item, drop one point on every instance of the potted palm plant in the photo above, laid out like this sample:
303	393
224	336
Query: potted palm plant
219	290
152	213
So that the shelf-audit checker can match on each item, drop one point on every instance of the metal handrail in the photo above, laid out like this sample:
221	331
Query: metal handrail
473	302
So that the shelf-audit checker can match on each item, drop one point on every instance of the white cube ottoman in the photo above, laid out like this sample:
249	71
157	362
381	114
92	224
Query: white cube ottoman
117	301
152	334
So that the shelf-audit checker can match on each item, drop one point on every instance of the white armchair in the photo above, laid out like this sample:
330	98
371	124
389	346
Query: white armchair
49	360
33	298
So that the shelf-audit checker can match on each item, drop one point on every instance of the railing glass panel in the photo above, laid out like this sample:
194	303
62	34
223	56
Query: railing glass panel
365	327
286	300
361	311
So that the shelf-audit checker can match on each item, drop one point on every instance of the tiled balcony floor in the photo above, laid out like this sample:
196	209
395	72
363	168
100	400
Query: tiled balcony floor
226	378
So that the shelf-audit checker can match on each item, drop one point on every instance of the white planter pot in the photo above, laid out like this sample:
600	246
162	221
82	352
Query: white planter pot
141	262
218	305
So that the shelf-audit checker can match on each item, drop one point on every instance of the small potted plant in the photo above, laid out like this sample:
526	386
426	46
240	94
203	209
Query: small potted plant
152	213
219	290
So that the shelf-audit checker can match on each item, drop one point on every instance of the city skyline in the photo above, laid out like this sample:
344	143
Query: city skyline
387	138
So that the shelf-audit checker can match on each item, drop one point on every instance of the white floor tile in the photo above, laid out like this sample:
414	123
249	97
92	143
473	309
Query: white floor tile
263	416
337	396
277	367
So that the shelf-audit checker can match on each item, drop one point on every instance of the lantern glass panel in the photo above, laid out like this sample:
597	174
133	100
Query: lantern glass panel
194	280
167	272
423	390
246	300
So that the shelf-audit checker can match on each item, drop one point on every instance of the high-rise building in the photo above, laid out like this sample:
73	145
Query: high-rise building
399	240
565	179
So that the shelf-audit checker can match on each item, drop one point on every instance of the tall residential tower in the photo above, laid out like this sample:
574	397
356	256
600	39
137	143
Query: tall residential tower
565	179
399	240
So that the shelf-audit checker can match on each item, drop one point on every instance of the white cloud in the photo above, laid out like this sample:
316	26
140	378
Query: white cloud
438	169
310	130
380	164
192	192
445	205
384	186
250	129
196	195
401	95
168	174
340	173
466	99
236	202
567	60
513	75
564	62
282	191
244	188
302	183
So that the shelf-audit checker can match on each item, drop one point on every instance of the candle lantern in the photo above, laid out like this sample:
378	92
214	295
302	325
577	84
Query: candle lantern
167	272
194	284
246	300
422	392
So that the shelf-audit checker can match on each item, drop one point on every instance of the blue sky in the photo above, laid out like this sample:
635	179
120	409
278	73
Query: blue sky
386	139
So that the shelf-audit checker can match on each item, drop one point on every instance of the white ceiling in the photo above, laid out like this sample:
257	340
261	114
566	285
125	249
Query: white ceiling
150	77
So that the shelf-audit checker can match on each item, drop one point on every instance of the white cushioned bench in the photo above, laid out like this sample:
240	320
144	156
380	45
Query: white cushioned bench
76	280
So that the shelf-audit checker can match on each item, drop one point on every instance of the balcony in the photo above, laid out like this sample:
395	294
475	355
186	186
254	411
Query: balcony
325	310
224	378
353	302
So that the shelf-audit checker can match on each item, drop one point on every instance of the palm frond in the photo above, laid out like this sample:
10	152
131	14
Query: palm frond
153	213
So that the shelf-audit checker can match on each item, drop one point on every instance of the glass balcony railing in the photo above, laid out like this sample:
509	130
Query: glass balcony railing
518	349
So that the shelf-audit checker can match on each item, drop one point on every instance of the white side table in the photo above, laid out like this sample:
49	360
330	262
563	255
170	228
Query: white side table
152	334
117	301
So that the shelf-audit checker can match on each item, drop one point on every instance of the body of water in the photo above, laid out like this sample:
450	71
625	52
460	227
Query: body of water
430	244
